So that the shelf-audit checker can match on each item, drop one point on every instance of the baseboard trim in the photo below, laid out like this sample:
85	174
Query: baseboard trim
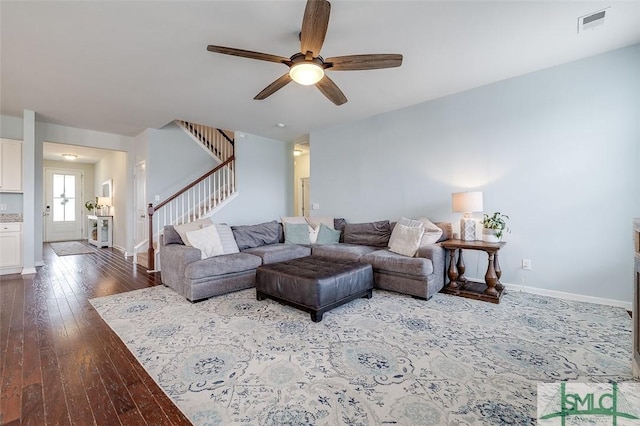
29	271
569	296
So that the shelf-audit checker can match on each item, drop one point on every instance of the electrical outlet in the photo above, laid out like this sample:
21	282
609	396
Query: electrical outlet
3	207
526	264
315	206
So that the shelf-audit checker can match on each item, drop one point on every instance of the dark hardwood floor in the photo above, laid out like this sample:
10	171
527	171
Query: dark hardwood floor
60	362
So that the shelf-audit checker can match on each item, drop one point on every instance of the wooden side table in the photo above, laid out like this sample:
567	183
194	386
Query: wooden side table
491	289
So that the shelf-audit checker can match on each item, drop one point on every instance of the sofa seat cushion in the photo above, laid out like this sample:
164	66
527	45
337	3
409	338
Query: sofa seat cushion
221	265
352	252
279	252
393	262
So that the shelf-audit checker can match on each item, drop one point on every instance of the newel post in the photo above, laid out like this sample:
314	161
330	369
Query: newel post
150	251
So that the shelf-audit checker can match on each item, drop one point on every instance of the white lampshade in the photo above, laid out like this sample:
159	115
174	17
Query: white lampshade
104	201
467	202
306	73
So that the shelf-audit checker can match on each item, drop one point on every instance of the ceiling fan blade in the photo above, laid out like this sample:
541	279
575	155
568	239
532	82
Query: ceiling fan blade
364	62
248	54
314	26
273	87
331	90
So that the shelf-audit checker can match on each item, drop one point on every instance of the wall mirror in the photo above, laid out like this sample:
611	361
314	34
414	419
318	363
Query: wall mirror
106	189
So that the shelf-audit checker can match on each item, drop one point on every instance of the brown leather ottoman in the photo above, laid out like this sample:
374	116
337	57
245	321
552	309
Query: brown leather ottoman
314	284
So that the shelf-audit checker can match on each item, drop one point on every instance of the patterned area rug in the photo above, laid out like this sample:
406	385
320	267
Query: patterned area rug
388	360
67	248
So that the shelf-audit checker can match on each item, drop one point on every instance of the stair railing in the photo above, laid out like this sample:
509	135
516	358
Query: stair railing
215	141
192	202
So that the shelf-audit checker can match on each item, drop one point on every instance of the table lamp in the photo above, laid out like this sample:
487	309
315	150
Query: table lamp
467	203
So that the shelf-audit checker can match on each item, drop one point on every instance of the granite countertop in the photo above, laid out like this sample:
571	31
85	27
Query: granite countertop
10	217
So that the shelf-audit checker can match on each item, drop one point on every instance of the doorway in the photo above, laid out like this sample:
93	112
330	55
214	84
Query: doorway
304	196
63	218
142	228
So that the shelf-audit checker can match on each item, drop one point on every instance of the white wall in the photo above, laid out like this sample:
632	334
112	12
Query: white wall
264	179
114	167
556	150
174	161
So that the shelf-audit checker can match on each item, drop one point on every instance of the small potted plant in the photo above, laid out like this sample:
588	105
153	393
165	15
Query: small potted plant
92	205
493	227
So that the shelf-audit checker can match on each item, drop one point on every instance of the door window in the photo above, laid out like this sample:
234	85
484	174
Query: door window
64	198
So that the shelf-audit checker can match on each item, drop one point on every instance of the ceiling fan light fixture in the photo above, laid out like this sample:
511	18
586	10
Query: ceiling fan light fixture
306	73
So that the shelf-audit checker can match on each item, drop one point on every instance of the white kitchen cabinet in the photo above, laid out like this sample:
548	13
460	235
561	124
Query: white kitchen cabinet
10	248
10	165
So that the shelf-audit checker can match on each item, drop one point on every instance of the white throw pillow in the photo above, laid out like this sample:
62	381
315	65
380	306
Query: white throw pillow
294	220
316	221
207	240
432	232
407	240
227	239
406	222
191	226
313	233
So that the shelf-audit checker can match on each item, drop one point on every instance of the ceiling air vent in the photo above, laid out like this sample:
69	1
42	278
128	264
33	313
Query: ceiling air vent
592	20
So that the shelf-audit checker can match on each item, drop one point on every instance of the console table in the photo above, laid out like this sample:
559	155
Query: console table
491	289
100	230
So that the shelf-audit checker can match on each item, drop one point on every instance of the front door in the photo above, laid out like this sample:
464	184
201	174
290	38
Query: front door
63	205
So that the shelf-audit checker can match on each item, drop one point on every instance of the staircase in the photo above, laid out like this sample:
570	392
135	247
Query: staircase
218	143
201	198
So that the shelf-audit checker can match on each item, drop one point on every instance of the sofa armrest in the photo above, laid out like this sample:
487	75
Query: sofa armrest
174	259
438	256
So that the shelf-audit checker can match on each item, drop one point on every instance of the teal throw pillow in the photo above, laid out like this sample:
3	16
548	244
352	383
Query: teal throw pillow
327	235
296	233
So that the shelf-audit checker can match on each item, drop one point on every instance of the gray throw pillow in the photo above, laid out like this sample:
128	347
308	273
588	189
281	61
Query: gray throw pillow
170	236
374	234
250	236
338	225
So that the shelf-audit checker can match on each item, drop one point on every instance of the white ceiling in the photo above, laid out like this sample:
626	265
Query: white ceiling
54	151
124	66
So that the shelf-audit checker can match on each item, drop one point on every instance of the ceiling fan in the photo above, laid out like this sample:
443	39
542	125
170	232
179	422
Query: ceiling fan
308	67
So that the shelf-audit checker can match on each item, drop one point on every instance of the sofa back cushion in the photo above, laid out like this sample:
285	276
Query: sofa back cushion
447	230
338	225
374	234
249	236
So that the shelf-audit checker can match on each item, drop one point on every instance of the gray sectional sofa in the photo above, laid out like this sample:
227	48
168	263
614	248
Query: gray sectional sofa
183	270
